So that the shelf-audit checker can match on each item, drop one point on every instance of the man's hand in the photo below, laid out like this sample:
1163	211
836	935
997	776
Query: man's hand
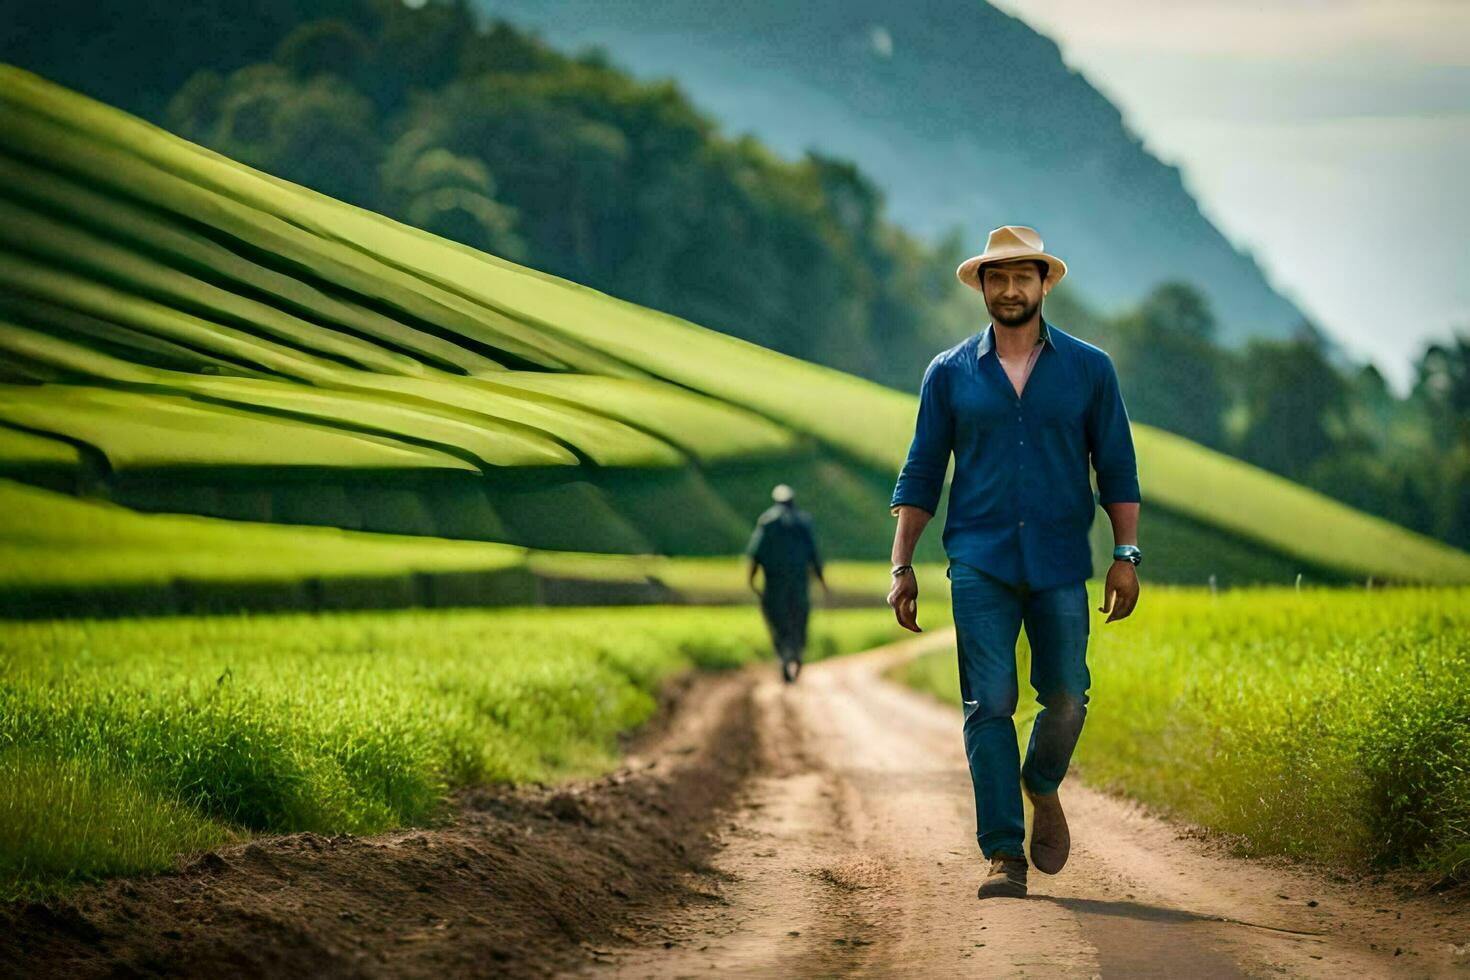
904	600
1120	591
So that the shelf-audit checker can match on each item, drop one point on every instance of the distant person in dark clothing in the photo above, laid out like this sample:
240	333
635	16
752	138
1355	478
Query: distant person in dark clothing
784	547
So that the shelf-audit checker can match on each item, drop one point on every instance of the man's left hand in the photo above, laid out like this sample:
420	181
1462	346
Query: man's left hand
1120	592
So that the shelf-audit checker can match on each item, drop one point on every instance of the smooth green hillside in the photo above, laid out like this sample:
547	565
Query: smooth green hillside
543	316
190	315
1219	490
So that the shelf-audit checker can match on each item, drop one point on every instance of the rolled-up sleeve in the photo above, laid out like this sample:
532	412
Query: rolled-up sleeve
921	481
1110	442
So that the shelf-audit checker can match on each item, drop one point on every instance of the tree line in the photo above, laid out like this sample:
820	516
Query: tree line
1288	407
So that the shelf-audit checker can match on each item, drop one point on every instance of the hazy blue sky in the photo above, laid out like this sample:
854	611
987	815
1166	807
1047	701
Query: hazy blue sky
1331	138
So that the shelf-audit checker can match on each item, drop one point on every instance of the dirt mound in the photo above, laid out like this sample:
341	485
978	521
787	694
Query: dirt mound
523	882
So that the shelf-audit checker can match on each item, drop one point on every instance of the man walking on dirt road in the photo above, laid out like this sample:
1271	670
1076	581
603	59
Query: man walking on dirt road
784	546
1023	407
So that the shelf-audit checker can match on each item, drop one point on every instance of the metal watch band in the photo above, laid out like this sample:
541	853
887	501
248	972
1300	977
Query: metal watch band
1129	553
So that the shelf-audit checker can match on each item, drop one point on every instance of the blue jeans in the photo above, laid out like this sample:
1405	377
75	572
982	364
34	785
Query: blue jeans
988	615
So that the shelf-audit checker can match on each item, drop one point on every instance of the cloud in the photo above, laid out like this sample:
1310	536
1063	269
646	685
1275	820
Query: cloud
1165	87
1408	31
1312	132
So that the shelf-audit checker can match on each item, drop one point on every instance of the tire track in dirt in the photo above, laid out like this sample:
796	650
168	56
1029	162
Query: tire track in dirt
852	853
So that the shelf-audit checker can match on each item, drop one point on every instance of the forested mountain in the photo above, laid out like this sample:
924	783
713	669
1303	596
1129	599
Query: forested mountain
963	115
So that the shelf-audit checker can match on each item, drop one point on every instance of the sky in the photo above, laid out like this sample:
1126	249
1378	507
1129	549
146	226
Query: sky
1330	138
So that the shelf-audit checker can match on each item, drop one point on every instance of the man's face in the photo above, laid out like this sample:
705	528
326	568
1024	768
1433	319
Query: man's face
1013	291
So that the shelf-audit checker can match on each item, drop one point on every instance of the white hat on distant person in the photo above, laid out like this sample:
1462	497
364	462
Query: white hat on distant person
1007	243
782	493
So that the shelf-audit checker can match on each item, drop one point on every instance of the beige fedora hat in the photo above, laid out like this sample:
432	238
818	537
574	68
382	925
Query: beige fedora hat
1006	243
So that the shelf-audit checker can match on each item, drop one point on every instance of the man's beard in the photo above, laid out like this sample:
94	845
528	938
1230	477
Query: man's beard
1023	315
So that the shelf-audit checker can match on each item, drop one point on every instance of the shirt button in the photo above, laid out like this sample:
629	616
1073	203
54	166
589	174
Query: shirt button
1022	524
1023	442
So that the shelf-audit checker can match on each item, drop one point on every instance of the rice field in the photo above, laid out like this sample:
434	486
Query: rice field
1331	724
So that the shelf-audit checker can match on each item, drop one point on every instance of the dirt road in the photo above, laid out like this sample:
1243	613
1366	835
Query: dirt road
853	854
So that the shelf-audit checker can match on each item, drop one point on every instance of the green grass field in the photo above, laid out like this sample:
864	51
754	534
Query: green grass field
1330	724
125	742
180	332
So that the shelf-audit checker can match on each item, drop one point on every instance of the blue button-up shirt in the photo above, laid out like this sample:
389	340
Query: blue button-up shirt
1021	503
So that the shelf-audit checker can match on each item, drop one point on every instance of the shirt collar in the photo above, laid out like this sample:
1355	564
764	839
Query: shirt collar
986	340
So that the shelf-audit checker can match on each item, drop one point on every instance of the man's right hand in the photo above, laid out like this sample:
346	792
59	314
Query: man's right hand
903	598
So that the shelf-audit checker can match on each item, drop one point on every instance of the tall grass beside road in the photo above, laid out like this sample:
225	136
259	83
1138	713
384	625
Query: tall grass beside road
1328	724
125	742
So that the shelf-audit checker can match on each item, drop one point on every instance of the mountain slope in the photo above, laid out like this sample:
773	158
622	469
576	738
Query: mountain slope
964	115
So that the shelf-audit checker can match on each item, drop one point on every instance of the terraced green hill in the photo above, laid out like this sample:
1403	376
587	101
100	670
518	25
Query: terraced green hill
181	333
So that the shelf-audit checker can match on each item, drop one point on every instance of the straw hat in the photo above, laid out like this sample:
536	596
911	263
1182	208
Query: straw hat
1006	243
782	493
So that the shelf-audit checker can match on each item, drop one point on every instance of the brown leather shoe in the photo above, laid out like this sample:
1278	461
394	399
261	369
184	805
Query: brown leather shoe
1051	842
1007	878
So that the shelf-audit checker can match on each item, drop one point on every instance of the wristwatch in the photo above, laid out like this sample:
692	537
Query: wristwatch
1128	553
900	569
